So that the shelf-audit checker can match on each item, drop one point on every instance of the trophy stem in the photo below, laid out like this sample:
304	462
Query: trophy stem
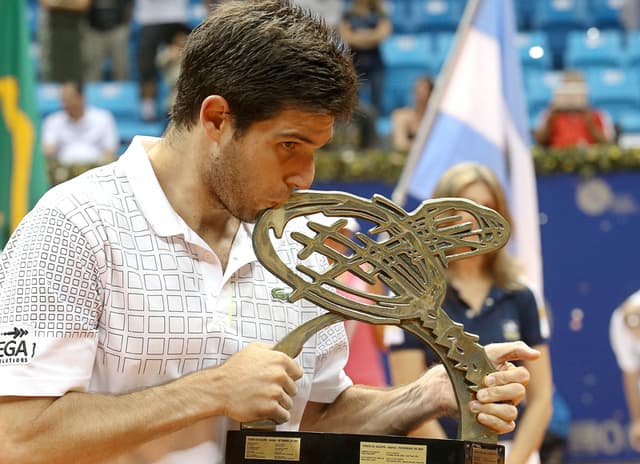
468	428
292	345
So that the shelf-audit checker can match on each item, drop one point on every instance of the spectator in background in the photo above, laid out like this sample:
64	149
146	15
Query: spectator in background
79	134
406	121
624	335
67	23
168	62
486	294
570	121
108	37
160	20
364	27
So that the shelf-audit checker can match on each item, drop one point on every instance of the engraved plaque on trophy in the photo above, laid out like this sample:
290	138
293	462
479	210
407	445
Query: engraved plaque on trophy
408	253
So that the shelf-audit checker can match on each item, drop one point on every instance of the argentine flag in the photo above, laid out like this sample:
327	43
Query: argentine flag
478	113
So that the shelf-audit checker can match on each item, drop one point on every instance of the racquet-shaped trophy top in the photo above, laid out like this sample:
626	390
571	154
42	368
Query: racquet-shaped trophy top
409	256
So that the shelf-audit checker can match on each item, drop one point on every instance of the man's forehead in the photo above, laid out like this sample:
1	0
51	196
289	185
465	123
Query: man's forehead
305	125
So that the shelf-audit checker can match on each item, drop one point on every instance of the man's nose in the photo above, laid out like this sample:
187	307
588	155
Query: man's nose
302	174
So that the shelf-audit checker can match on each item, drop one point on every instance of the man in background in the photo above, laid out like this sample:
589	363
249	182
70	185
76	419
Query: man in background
79	134
624	335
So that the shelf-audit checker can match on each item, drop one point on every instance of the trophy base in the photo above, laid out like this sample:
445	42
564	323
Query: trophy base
256	446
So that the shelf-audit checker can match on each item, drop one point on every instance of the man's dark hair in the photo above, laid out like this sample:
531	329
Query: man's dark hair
78	86
264	56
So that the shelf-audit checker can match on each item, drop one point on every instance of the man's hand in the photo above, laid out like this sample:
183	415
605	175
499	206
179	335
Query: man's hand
495	405
259	383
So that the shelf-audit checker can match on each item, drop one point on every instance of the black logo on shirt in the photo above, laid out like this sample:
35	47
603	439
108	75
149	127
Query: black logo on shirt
16	332
18	349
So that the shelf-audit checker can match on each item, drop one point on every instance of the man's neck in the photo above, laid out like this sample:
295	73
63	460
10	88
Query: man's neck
177	167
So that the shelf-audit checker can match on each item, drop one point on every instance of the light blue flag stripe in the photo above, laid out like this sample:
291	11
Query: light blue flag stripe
453	141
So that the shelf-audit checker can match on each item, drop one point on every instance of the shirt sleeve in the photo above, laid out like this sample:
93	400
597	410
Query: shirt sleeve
50	300
50	131
623	343
332	353
111	138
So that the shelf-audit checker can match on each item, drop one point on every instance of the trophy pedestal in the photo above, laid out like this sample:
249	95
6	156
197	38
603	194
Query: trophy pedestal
260	447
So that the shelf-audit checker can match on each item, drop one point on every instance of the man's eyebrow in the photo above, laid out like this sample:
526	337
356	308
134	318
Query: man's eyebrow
296	135
300	137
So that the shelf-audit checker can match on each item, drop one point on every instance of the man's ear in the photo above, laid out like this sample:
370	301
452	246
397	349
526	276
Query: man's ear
214	113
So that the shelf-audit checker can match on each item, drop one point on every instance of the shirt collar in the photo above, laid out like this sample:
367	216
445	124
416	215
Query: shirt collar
161	216
149	194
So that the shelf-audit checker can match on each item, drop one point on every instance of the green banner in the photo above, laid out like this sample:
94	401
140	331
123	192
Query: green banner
23	175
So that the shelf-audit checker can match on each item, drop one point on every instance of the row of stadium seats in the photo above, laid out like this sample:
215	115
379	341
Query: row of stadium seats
408	56
584	49
568	14
612	78
444	15
615	90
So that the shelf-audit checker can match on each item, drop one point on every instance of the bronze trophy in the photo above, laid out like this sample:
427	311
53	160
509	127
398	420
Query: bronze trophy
409	256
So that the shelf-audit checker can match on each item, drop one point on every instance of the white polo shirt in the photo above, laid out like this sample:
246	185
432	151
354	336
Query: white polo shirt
117	293
82	141
625	345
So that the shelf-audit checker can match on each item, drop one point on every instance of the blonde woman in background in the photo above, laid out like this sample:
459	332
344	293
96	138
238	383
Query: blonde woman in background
487	295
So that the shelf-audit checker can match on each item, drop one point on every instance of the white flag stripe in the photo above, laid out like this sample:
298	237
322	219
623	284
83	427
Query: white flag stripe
479	58
523	203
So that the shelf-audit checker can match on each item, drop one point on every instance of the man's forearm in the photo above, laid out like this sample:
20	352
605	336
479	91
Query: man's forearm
394	411
89	428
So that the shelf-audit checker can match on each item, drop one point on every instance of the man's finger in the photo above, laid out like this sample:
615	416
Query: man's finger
512	393
500	353
511	375
495	424
290	387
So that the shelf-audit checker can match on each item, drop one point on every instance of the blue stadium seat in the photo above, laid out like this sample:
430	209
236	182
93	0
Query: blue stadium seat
629	121
594	49
48	97
443	44
437	15
197	12
533	49
606	13
405	57
407	50
539	88
32	19
632	50
557	18
403	21
615	90
121	98
568	14
383	126
524	11
128	128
